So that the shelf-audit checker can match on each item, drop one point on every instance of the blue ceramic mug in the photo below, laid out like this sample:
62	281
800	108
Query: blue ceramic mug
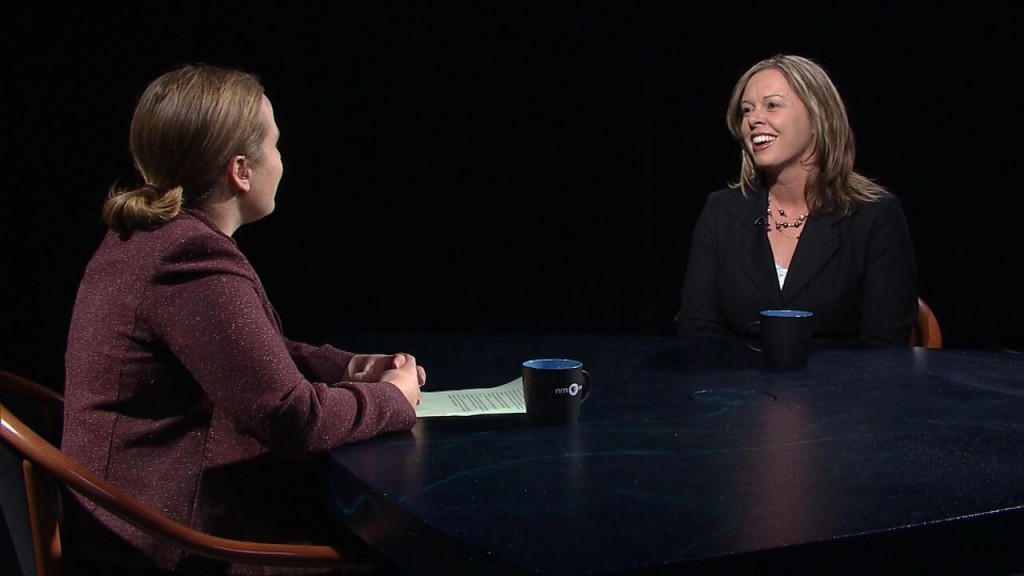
786	338
554	390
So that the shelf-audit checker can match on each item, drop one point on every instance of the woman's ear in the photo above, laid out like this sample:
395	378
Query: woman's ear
238	173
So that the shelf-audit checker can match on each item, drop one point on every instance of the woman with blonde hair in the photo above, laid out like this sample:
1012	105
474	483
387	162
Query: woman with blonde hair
800	228
181	386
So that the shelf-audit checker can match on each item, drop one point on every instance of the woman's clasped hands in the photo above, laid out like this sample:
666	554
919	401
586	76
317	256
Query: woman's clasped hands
399	369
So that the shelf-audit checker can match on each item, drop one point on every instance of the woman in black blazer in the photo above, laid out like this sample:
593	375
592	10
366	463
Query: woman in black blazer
800	229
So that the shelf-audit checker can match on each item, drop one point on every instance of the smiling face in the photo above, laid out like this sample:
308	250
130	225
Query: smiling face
776	125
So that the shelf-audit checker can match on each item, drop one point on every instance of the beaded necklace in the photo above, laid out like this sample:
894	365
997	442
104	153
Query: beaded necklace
780	225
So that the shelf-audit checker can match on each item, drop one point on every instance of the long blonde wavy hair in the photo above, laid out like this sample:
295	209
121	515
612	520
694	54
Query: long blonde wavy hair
833	184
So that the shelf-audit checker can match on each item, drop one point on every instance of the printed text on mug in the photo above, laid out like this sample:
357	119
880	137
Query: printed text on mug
572	390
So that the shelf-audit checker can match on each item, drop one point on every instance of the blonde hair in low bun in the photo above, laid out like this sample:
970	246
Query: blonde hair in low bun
140	208
187	126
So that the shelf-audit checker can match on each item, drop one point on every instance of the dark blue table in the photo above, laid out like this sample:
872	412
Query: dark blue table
688	459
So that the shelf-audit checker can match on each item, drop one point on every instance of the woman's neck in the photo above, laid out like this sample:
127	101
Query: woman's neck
788	188
222	209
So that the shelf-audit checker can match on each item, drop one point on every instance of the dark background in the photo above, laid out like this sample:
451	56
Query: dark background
507	166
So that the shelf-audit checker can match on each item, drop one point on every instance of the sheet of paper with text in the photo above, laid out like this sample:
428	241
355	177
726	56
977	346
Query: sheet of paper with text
504	399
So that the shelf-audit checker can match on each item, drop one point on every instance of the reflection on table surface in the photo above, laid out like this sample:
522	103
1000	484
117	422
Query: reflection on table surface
689	456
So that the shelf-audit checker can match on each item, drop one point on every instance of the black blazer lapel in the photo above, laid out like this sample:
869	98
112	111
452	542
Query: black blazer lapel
819	243
754	248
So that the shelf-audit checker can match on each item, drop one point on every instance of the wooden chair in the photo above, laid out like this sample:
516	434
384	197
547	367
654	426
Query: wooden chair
47	471
926	332
44	409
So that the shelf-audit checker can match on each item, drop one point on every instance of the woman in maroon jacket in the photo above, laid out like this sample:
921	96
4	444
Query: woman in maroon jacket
181	386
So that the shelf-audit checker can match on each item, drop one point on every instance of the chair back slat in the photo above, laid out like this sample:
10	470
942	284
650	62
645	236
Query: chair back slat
42	511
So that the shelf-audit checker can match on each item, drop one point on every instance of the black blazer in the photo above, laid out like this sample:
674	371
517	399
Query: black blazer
857	273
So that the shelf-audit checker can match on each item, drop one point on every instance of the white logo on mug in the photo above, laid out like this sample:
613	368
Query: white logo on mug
572	390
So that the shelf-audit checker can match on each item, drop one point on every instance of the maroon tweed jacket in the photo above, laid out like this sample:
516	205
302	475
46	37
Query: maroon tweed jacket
182	389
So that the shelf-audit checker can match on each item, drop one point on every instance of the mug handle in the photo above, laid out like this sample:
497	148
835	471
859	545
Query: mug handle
746	335
586	385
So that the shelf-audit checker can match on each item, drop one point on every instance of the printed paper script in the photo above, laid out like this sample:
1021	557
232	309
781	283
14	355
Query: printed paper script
504	399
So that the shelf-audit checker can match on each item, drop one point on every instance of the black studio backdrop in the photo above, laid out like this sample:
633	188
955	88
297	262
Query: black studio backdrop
503	166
